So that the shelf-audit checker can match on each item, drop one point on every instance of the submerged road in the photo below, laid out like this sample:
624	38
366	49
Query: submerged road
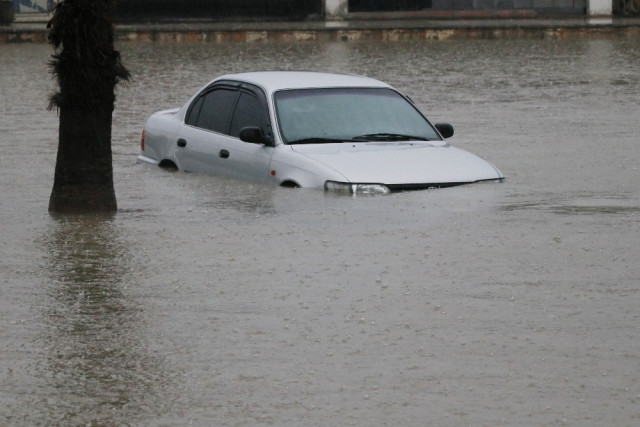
206	301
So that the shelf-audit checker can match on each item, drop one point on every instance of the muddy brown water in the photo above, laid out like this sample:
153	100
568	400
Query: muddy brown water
217	302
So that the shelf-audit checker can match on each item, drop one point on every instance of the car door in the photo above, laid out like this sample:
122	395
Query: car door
206	123
244	159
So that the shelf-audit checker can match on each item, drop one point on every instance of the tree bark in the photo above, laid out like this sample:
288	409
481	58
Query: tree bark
83	180
87	69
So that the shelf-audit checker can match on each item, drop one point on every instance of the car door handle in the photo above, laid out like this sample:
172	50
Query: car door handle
182	142
224	154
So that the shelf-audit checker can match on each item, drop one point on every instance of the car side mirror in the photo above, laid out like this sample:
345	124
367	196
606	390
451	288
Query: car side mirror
254	135
445	129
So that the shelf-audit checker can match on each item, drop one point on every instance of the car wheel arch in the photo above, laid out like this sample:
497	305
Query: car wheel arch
289	184
168	164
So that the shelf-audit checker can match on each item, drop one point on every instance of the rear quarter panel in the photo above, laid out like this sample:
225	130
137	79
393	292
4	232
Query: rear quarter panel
161	134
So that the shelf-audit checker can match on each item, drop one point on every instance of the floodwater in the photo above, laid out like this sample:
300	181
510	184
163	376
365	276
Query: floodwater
212	302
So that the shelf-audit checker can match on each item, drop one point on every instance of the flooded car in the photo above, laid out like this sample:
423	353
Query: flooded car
335	132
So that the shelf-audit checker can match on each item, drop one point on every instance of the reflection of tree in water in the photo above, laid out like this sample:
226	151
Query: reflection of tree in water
96	359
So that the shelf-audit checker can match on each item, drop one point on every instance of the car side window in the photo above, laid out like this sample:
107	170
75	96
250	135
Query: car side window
213	110
194	112
249	112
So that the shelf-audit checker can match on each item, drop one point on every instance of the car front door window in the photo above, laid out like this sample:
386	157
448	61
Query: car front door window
249	112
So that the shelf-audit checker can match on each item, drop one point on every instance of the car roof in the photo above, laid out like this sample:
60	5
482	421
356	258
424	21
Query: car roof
272	81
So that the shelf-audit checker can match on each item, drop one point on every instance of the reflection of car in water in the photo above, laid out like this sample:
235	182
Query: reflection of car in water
306	129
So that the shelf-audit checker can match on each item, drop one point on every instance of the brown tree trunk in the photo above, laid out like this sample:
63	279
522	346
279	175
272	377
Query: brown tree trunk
83	179
87	69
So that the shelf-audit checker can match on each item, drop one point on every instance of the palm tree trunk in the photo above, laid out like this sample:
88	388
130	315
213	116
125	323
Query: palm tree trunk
87	69
83	180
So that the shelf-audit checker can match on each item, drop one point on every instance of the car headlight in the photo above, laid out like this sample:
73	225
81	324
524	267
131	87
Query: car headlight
350	188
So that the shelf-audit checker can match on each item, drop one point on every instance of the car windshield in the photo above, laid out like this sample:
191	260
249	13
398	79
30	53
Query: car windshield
349	114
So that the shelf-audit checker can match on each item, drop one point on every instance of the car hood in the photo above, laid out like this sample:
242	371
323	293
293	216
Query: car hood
397	163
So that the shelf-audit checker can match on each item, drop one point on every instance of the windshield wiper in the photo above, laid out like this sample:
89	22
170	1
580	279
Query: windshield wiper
388	137
317	140
360	138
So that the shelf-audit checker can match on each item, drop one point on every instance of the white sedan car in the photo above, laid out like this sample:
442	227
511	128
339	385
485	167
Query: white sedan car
305	129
